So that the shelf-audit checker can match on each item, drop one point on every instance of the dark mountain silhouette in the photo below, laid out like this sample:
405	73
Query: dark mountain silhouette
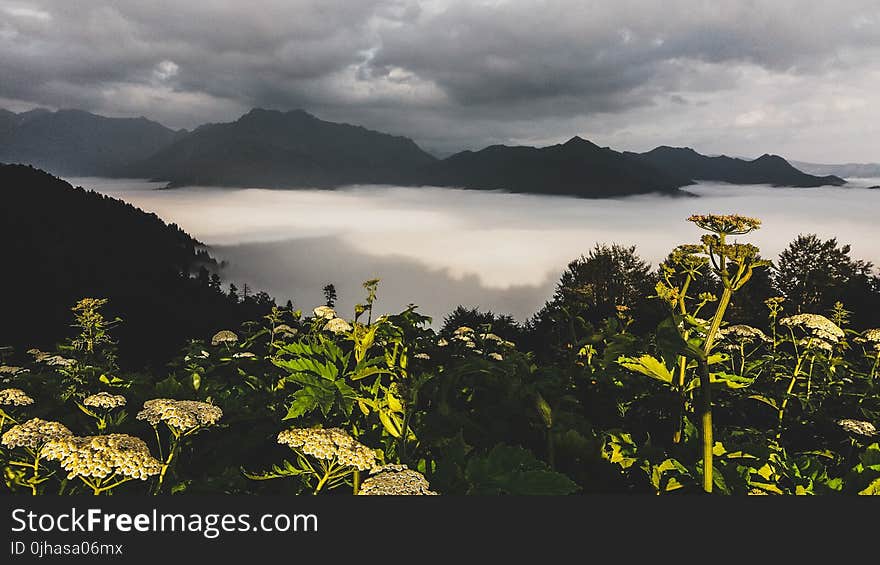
767	169
62	243
275	149
73	142
577	168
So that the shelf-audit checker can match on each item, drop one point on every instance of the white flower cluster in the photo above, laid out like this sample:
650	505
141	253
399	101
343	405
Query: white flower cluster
34	433
51	360
337	326
872	336
329	444
182	415
103	456
14	397
742	333
11	370
464	333
815	325
423	356
104	400
285	331
225	337
858	427
395	480
324	312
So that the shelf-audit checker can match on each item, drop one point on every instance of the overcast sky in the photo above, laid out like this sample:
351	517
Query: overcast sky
796	77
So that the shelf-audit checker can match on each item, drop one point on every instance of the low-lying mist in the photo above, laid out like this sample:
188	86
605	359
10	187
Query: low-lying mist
439	247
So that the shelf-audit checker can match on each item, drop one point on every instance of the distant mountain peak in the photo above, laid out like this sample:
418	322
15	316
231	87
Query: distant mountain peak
578	141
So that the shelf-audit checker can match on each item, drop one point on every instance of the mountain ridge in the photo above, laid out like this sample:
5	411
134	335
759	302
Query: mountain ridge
766	169
292	149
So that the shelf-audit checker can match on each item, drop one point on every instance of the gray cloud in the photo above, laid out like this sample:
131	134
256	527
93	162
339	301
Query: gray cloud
735	77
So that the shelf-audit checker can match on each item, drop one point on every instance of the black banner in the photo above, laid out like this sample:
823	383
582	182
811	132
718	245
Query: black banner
282	529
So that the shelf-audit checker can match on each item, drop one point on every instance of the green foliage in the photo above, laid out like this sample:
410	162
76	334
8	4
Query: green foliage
602	392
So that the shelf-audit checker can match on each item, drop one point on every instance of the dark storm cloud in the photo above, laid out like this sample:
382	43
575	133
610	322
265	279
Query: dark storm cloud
450	74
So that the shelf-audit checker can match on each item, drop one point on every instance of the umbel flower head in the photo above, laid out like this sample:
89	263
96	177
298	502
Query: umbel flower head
14	397
34	433
742	333
324	312
872	337
184	416
814	325
104	400
225	337
103	456
337	326
329	444
11	370
858	427
390	480
728	224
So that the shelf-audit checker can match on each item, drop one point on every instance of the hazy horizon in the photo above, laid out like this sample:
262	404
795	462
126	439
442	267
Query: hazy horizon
441	247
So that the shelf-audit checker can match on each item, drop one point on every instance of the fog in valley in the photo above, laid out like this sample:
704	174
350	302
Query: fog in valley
439	248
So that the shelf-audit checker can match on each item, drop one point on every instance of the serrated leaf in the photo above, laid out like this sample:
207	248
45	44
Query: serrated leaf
768	401
648	366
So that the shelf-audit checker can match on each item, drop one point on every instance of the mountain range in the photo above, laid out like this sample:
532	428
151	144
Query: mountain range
293	149
77	143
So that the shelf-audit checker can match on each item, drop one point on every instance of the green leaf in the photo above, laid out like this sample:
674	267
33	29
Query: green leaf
513	470
768	401
649	366
619	448
308	399
872	489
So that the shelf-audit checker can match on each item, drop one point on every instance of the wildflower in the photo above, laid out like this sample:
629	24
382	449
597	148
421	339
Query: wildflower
329	444
325	312
491	337
873	337
225	337
337	326
729	224
11	370
184	416
103	456
496	356
424	356
442	342
285	331
816	343
470	344
104	400
395	480
244	355
14	397
34	433
742	333
858	427
816	325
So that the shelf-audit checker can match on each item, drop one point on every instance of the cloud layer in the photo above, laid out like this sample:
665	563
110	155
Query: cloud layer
789	76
